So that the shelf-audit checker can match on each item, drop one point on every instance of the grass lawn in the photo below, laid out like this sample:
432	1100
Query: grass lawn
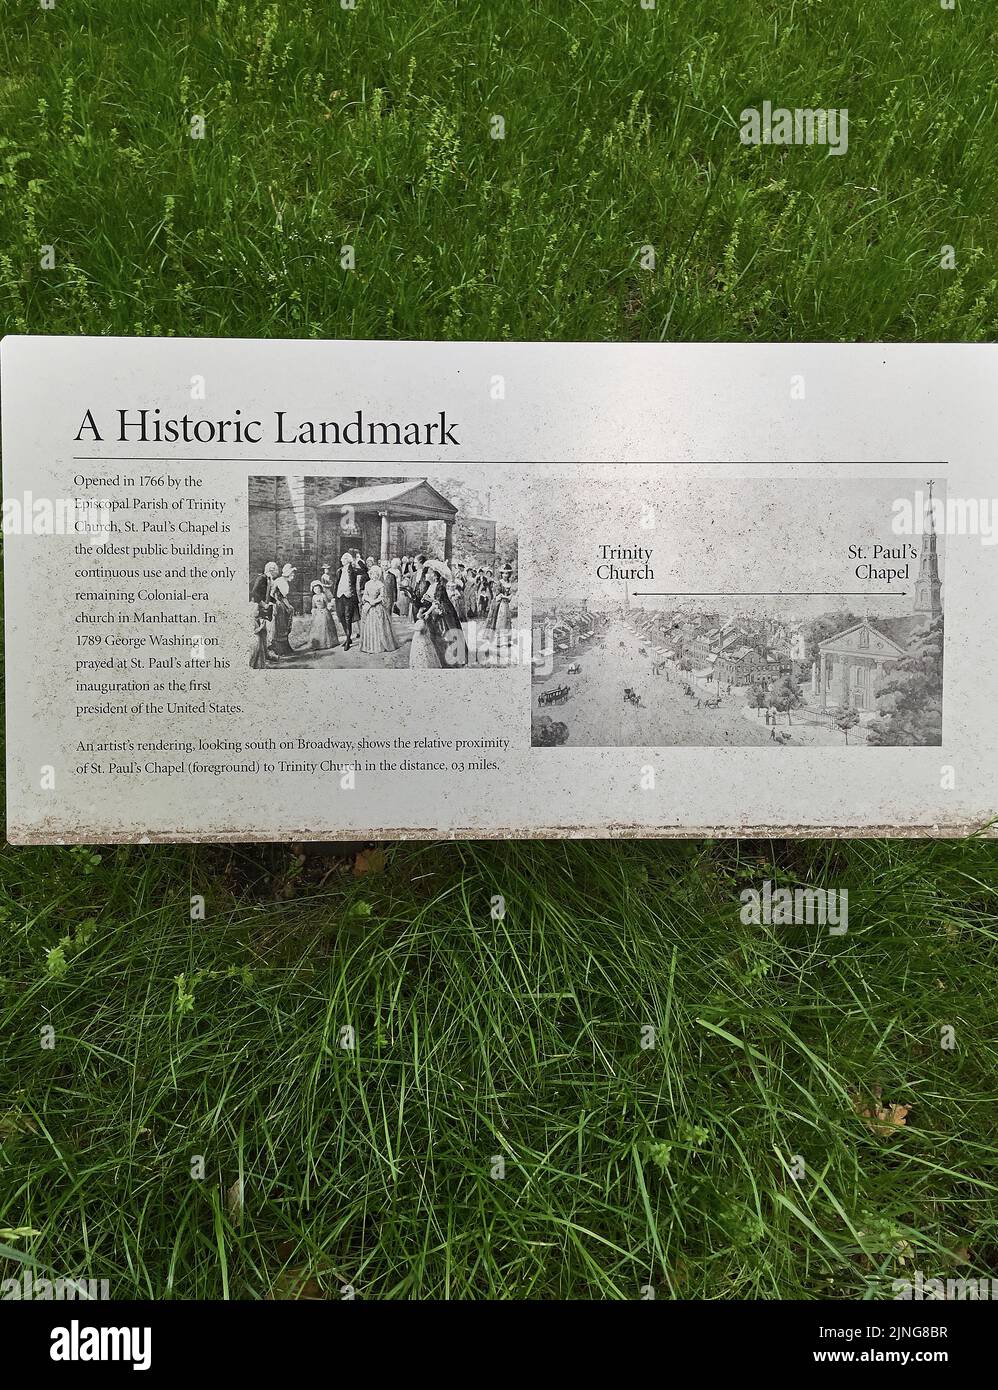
372	127
379	1081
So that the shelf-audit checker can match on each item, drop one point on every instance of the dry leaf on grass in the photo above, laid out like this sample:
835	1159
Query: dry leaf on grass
370	861
234	1202
293	1284
13	1122
881	1119
297	1281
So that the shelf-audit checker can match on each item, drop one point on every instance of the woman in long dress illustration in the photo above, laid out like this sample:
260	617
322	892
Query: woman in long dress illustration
323	632
262	593
376	632
280	597
498	623
423	654
456	589
444	625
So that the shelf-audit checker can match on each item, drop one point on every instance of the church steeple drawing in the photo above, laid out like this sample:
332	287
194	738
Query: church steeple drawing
928	587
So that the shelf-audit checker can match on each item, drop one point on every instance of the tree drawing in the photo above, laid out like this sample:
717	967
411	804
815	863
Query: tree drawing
846	719
910	703
786	695
758	698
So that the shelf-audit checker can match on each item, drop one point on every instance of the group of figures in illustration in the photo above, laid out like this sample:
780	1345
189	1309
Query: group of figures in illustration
368	575
371	606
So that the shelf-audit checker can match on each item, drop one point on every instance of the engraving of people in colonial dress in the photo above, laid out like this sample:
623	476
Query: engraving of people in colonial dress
457	591
323	633
498	623
280	597
415	550
376	631
390	578
442	622
347	608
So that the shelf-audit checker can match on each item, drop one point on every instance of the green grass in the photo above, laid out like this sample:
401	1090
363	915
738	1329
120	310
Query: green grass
625	1166
475	1039
371	128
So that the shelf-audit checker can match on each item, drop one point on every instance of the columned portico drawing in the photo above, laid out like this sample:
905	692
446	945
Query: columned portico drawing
373	518
855	663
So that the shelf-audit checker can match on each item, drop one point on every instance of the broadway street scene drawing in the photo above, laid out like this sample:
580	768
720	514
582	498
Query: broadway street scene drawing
373	573
789	613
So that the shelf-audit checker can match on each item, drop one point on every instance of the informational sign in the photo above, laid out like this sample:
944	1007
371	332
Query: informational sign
268	590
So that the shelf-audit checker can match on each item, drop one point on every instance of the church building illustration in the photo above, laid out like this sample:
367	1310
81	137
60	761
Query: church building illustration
855	663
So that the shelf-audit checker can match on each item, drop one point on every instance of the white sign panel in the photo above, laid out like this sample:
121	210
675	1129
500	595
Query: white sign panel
332	590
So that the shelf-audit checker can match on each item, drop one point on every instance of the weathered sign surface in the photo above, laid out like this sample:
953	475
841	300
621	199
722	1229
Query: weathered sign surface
269	590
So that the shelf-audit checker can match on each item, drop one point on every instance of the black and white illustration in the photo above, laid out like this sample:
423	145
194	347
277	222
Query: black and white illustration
757	612
372	573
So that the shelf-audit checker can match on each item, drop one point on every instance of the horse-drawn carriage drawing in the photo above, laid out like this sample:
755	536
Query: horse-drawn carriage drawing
575	668
631	696
715	703
558	696
548	733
